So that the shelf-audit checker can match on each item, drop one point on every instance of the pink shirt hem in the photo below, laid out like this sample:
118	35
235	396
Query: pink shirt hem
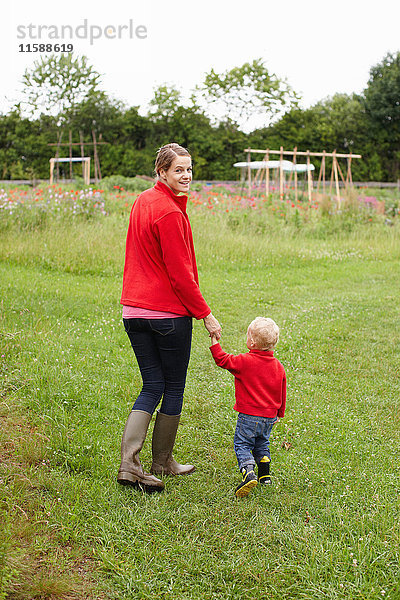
135	312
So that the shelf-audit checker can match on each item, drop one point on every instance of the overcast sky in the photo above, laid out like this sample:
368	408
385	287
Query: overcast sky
320	47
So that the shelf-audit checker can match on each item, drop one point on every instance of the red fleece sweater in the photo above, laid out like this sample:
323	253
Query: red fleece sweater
260	381
160	270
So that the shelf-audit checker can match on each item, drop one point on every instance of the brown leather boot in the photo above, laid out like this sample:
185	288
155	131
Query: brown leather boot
164	435
131	471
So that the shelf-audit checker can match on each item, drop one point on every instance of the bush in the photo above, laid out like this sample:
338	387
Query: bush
130	184
36	208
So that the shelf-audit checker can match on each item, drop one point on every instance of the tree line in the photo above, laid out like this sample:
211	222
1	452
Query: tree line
63	94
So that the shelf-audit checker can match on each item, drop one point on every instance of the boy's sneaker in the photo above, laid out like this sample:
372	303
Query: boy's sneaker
263	471
249	481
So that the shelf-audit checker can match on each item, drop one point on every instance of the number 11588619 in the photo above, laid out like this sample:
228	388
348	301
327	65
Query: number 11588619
45	47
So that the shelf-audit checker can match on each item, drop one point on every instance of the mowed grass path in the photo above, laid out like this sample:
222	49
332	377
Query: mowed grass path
329	525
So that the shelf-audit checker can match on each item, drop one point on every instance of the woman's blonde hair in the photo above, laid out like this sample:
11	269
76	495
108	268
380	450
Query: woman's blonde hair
166	155
264	332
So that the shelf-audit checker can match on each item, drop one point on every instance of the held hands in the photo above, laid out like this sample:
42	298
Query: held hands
213	339
213	327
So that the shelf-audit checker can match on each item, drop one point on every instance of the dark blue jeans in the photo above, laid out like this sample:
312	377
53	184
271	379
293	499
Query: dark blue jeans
251	441
162	350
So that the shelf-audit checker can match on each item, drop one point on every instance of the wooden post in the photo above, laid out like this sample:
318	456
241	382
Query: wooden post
350	173
59	137
341	174
332	176
95	154
97	157
82	155
70	153
98	165
309	178
349	178
86	175
290	180
281	175
257	181
335	168
295	172
81	142
258	177
51	170
259	191
267	175
321	176
249	174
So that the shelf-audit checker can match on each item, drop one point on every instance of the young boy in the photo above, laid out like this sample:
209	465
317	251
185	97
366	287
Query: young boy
260	394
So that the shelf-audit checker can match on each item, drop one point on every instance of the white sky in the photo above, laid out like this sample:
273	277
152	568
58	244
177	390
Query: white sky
320	47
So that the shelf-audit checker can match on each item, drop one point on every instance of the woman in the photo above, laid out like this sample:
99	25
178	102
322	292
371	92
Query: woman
160	296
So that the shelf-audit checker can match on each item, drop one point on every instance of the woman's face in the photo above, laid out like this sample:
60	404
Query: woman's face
179	175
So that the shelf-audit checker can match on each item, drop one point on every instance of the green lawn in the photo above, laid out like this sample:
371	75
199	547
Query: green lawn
329	525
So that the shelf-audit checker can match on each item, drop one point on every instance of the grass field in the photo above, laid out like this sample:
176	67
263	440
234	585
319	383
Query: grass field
328	528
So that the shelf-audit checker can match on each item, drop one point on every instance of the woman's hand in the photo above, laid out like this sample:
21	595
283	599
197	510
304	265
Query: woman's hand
213	339
212	326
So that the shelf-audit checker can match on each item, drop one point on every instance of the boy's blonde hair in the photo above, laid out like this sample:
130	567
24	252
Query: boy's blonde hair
264	332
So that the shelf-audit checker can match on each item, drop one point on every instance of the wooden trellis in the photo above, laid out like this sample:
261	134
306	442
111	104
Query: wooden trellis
336	171
83	159
85	167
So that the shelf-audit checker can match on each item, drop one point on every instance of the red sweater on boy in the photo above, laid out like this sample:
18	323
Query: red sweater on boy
160	270
260	381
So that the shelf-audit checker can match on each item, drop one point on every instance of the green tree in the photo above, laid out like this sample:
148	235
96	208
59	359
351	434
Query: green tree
97	111
165	102
382	106
247	91
56	83
24	150
335	123
127	153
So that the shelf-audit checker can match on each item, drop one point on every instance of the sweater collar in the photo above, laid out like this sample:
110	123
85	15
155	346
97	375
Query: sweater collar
180	200
262	352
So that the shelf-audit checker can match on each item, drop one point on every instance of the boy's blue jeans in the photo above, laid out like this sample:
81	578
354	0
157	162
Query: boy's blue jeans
251	441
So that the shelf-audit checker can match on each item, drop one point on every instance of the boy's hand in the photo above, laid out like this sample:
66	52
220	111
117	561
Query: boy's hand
214	339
